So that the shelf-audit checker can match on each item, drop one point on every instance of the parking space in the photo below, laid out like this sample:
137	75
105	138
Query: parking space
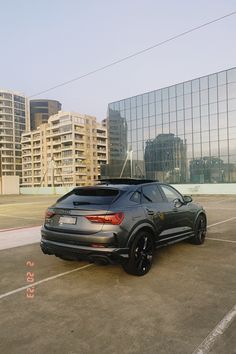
23	210
101	309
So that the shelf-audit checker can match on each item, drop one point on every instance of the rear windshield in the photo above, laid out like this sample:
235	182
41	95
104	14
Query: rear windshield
90	196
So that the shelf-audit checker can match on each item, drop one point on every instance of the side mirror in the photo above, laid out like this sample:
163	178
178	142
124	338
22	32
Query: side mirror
187	199
177	203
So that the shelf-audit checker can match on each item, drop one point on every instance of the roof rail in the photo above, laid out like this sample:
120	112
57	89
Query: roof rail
125	181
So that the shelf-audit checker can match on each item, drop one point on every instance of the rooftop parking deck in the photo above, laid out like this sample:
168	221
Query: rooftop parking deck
83	308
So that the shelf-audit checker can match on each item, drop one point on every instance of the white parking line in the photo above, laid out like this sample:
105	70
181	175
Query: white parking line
217	208
208	342
18	228
76	269
43	281
220	239
221	222
19	217
19	237
16	204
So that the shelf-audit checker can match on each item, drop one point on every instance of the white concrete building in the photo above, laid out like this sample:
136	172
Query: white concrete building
66	151
14	120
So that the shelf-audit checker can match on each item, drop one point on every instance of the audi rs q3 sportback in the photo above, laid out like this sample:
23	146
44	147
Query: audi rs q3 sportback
121	220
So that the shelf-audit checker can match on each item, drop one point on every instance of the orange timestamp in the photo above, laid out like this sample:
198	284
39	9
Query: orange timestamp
30	278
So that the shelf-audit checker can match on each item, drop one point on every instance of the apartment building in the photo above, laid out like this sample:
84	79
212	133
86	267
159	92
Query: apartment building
66	151
41	110
14	120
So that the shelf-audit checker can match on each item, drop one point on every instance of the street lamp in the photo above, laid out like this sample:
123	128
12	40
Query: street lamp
1	162
1	170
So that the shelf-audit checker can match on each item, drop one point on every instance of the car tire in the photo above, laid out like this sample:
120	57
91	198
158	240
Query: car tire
200	230
140	255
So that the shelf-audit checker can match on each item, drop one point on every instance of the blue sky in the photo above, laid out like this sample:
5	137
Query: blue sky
47	42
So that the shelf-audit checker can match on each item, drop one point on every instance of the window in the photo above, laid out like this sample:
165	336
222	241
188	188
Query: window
231	74
170	193
89	196
151	97
136	196
151	194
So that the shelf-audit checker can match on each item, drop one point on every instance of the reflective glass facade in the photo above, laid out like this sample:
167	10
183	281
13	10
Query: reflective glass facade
185	133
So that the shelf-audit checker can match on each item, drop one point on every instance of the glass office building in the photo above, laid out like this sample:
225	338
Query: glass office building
185	133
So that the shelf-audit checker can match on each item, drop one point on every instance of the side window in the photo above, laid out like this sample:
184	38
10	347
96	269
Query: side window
151	194
170	193
136	197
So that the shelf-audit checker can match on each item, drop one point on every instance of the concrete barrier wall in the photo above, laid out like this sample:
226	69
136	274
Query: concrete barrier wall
217	188
9	185
45	190
214	188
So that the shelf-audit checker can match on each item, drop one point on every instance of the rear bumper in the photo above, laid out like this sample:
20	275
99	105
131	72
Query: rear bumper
55	243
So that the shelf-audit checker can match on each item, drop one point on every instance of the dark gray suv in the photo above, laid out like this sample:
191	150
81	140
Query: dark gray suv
121	220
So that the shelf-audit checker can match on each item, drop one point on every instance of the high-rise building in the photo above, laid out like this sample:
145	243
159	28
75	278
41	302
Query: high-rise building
14	120
41	110
117	149
185	133
165	158
66	151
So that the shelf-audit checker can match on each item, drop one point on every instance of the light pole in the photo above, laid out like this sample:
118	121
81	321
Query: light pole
1	170
131	163
1	162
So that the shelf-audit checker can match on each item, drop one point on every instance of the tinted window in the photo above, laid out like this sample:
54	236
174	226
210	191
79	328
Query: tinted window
170	193
136	197
151	194
90	196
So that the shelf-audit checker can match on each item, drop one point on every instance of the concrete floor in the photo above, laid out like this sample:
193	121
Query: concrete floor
23	210
101	309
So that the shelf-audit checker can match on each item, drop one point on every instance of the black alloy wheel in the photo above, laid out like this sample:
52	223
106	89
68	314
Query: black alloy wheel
141	254
200	231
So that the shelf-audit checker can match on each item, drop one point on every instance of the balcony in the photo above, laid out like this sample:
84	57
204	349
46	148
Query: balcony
5	120
100	135
101	142
26	143
37	152
5	133
67	148
77	173
56	142
80	156
26	153
80	164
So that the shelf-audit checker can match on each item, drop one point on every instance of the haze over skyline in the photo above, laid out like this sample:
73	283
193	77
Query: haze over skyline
46	43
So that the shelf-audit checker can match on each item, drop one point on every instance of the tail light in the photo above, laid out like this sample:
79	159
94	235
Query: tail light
114	219
49	213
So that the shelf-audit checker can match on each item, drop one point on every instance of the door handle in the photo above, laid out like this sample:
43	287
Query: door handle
150	212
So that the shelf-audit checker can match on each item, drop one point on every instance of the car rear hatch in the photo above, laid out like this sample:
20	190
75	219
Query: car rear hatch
71	212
